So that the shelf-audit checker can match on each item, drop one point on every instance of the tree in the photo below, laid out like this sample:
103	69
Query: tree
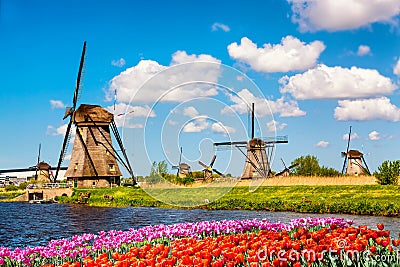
306	166
309	166
388	172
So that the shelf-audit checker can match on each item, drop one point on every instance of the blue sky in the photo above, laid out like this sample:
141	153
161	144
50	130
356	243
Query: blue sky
321	66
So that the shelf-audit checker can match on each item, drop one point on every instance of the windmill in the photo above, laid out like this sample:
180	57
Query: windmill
42	170
183	169
208	169
258	152
354	162
286	170
93	160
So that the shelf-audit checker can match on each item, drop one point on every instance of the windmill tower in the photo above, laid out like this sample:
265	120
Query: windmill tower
354	162
93	160
183	169
258	152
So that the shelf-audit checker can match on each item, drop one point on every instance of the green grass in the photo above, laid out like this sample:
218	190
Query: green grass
7	195
367	199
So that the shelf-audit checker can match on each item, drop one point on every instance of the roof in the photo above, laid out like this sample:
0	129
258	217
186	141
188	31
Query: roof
354	154
92	114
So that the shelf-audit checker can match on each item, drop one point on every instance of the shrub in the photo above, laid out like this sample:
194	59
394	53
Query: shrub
11	187
388	172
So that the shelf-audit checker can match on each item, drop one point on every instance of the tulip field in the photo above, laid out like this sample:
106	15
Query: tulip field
302	242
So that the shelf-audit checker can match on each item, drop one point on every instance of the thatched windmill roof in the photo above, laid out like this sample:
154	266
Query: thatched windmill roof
92	114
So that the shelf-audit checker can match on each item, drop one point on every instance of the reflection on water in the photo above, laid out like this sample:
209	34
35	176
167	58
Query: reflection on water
23	224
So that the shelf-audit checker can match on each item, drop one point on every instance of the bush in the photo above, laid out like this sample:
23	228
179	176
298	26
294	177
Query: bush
388	173
23	185
11	187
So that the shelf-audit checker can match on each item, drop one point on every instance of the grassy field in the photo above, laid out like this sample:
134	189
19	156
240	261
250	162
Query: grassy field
364	197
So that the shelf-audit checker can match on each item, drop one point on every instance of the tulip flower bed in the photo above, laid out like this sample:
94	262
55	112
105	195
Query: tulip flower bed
302	242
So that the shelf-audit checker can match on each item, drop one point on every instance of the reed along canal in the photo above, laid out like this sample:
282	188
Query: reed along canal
23	224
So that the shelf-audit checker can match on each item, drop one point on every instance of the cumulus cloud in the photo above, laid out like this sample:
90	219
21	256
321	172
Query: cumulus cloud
172	122
353	136
363	50
322	144
396	69
331	15
147	82
325	82
57	104
290	55
367	109
219	127
219	26
273	126
125	115
61	130
190	112
118	63
374	136
196	125
244	97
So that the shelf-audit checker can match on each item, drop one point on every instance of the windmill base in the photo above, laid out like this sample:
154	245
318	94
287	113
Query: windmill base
94	182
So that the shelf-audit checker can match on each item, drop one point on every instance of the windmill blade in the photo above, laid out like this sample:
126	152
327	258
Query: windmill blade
283	163
213	160
64	146
218	172
78	80
347	151
292	166
280	173
180	158
203	165
38	161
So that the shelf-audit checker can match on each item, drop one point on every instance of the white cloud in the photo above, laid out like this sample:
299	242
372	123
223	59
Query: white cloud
363	50
396	69
291	54
325	82
275	126
374	136
336	15
322	144
172	122
367	109
245	97
67	157
219	127
57	104
219	26
190	112
147	82
118	63
125	114
196	125
353	136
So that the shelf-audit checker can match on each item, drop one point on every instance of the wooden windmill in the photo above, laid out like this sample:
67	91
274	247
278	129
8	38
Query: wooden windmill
208	169
258	152
94	160
183	169
354	162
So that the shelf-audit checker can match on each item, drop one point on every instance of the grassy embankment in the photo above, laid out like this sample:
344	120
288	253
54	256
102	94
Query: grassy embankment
7	195
322	195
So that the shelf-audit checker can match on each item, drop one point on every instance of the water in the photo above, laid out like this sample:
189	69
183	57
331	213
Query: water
23	224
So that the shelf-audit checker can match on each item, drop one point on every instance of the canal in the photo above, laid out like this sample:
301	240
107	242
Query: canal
23	224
